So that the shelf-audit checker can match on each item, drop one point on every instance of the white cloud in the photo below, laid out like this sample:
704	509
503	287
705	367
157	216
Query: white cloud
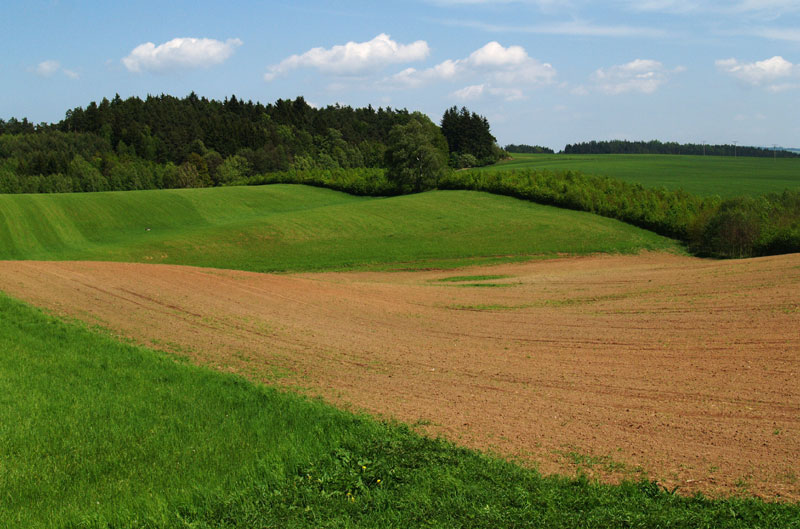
495	55
783	87
509	94
579	90
641	75
575	28
470	92
503	72
758	8
49	68
353	57
774	6
762	73
787	34
179	54
670	6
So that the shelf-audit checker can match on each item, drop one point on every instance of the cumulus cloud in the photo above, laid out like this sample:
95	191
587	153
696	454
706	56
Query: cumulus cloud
353	58
766	73
504	72
494	55
50	68
641	75
179	54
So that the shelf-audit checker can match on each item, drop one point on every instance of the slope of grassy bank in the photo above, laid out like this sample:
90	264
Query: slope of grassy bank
96	433
725	176
290	227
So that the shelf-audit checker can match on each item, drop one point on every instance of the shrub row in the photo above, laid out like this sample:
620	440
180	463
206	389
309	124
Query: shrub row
363	181
710	226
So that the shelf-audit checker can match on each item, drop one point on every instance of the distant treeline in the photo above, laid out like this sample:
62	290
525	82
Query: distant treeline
528	149
163	141
657	147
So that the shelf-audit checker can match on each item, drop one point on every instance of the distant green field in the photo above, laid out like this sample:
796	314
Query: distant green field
701	175
95	433
292	228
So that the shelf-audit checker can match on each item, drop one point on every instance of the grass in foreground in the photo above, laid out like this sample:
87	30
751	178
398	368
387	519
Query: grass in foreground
295	228
97	433
701	175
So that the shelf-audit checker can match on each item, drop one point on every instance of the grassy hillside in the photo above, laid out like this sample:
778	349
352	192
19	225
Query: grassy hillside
701	175
95	433
288	227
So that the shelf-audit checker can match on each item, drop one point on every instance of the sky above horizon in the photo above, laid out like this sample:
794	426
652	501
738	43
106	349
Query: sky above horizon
543	72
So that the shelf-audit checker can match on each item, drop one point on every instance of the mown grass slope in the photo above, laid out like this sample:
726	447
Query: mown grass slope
725	176
291	228
95	433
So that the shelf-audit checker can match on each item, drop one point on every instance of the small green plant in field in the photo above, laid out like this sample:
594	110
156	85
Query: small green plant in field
602	462
489	307
95	433
483	285
567	302
461	279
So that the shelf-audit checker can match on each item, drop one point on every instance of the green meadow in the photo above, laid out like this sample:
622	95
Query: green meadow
95	433
296	228
725	176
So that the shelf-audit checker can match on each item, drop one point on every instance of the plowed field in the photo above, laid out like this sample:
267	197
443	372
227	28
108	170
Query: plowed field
680	369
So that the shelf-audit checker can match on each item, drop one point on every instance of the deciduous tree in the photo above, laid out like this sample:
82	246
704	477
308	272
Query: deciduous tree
416	155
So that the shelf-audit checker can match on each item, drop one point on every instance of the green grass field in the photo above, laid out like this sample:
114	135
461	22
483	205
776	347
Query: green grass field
702	175
293	228
95	433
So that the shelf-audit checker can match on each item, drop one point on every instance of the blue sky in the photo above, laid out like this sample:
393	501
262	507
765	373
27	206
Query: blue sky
542	71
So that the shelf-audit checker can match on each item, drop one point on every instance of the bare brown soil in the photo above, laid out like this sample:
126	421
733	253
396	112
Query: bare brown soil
676	368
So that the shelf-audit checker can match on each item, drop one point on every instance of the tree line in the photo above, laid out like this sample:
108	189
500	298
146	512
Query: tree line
658	147
528	149
163	141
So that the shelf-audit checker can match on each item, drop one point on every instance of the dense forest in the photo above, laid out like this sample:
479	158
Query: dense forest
469	139
657	147
166	142
528	149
